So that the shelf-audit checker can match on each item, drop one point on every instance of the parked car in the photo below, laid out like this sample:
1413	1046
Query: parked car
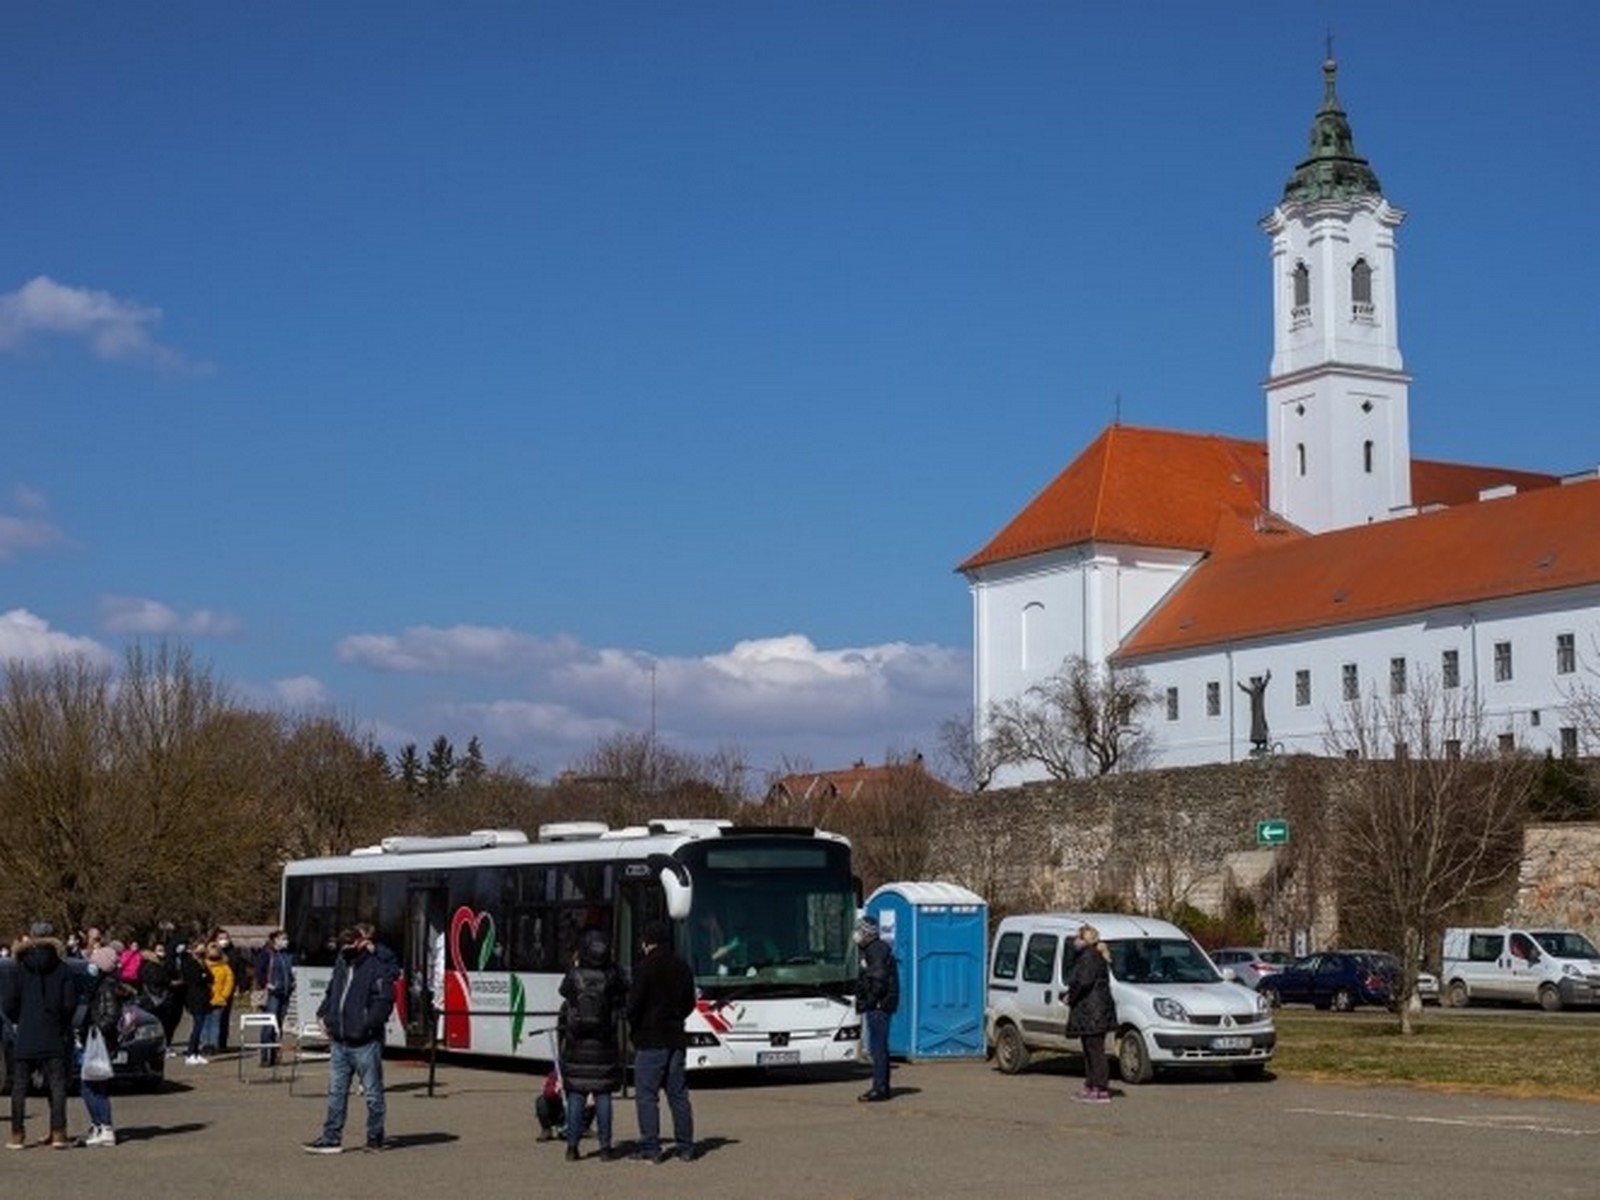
1251	964
1174	1010
1427	987
1548	967
1336	979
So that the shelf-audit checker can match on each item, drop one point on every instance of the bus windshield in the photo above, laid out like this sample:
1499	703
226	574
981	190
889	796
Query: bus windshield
770	916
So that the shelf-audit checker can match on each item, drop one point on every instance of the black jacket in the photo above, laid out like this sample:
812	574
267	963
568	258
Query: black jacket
196	985
359	999
1091	1010
41	999
661	997
592	1061
879	987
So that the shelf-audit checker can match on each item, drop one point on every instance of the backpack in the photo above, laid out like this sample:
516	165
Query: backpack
589	1010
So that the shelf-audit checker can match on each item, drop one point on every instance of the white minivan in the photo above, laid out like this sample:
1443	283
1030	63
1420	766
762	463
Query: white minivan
1548	967
1174	1009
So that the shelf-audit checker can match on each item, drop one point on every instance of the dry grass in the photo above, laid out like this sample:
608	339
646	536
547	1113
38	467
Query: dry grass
1511	1052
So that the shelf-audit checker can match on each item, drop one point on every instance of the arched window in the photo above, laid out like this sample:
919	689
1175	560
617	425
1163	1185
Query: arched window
1361	282
1302	286
1032	633
1300	457
1366	455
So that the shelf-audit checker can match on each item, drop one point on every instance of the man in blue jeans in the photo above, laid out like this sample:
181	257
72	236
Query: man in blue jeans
877	997
659	1000
354	1011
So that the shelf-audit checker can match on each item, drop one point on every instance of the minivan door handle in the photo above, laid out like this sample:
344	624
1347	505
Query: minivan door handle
1047	995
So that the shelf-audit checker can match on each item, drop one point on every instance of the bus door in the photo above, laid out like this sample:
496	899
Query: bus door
424	959
639	899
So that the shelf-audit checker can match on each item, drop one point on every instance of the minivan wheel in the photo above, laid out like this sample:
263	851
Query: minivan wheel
1342	1001
1550	998
1456	994
1010	1051
1133	1059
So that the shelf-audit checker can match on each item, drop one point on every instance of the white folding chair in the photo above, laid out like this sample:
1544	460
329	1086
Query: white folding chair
253	1042
310	1045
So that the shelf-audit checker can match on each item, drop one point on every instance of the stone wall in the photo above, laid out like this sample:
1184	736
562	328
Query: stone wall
1152	840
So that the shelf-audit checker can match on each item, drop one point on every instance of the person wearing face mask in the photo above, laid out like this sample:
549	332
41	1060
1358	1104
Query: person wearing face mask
877	998
353	1012
101	1009
277	978
215	1037
235	960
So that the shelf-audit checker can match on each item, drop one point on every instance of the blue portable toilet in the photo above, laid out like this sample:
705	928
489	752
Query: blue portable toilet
940	936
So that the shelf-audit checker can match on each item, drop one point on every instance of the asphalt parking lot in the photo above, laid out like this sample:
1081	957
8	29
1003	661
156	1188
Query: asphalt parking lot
953	1129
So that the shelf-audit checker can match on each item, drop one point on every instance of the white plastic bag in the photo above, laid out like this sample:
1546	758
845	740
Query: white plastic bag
96	1058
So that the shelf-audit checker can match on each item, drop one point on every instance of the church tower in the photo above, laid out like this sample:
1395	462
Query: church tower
1338	436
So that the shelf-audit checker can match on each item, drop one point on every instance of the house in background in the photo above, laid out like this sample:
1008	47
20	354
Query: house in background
857	782
1324	563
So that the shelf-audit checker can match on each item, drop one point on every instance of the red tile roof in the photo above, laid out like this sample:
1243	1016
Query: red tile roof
1459	483
1143	487
1535	541
852	782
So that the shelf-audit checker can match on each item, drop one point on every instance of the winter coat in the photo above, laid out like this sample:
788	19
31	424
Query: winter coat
591	1061
359	998
221	982
1091	1010
661	998
41	1001
102	1007
278	974
879	987
196	985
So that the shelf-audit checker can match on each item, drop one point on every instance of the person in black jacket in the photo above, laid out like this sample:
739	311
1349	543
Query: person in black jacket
591	1059
877	997
196	978
1091	1013
353	1013
661	998
40	999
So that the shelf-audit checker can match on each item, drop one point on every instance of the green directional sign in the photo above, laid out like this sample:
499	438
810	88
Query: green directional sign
1272	833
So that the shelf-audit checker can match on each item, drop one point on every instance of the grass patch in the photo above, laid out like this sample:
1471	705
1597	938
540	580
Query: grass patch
1513	1053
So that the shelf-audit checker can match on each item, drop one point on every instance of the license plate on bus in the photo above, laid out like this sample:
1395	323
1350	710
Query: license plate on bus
1230	1043
777	1058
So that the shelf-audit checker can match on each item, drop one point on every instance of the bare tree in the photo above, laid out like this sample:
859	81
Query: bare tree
1430	817
967	758
1083	719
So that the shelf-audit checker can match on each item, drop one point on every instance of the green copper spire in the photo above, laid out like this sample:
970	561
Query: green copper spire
1333	170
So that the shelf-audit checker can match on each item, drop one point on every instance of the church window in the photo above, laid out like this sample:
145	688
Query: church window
1352	682
1172	704
1361	288
1302	688
1213	699
1032	633
1401	752
1507	743
1300	457
1452	749
1397	677
1569	741
1566	654
1366	456
1302	290
1502	662
1450	668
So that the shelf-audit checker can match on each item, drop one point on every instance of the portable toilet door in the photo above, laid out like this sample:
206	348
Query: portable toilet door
939	933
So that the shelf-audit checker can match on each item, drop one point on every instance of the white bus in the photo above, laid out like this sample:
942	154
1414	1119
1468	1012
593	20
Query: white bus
485	924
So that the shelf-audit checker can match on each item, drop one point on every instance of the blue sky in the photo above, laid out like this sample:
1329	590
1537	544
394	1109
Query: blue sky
457	368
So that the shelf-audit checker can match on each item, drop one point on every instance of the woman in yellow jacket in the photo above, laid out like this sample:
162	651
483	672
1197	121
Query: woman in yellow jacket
222	985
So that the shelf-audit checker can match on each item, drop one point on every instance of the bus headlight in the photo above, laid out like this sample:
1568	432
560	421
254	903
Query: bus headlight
703	1039
848	1033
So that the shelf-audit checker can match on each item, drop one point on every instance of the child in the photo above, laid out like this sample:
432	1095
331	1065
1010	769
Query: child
549	1107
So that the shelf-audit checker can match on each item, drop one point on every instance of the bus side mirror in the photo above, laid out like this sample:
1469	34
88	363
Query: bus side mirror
675	882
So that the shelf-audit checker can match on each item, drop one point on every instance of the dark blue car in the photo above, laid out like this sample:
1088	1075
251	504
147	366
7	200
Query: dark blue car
1336	979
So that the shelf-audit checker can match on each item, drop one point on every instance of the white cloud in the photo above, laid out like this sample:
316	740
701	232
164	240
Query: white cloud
32	529
301	692
460	649
139	616
113	329
774	697
30	639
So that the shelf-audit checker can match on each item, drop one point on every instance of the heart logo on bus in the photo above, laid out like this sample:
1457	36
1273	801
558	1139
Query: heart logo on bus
471	939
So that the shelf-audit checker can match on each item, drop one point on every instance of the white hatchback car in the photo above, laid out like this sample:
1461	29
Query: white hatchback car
1173	1009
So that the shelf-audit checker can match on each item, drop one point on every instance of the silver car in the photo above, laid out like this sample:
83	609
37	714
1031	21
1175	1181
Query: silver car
1251	964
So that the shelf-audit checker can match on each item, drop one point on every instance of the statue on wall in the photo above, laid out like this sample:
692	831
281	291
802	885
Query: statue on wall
1256	689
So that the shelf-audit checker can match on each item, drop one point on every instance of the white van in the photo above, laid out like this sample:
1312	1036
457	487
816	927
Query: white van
1173	1007
1549	967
